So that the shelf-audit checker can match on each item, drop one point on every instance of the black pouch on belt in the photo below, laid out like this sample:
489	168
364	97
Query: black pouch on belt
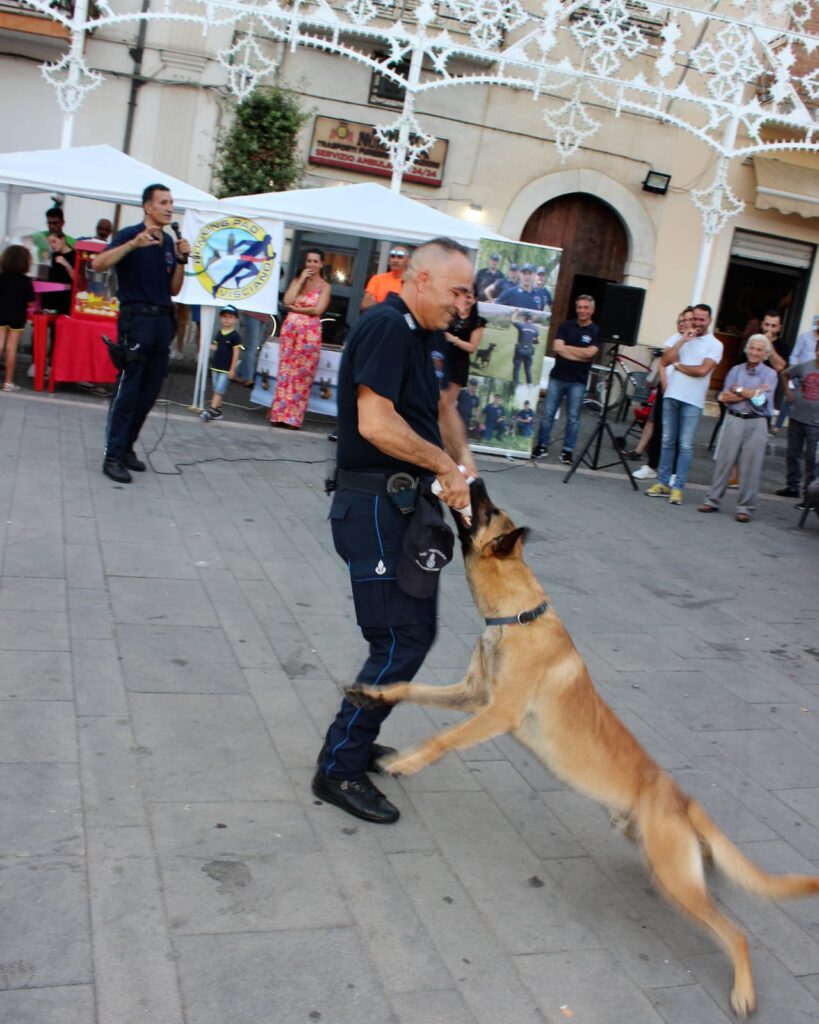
427	548
402	490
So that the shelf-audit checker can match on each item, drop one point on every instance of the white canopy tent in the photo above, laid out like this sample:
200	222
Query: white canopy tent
88	172
368	210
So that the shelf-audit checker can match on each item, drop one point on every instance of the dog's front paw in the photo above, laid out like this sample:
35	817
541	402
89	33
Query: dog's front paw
402	763
364	696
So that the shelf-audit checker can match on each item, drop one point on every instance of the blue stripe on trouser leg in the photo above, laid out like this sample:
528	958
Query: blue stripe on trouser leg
399	629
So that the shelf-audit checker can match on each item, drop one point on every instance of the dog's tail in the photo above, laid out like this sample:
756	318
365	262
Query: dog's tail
742	871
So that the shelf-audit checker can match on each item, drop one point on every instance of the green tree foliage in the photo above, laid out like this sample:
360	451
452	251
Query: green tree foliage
259	152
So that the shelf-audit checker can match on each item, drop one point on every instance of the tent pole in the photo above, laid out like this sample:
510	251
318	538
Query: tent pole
207	318
73	94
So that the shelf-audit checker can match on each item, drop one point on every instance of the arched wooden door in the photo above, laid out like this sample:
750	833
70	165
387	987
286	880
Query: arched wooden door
593	240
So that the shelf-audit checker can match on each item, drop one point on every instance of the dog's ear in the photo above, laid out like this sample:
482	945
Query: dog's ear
503	546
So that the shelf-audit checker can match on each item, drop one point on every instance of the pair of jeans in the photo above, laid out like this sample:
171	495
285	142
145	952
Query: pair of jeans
680	421
802	441
252	331
573	391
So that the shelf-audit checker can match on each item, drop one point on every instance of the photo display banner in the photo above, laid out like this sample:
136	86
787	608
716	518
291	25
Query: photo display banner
323	390
234	261
515	284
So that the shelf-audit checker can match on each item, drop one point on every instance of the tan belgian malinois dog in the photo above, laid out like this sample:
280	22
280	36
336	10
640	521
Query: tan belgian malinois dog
526	678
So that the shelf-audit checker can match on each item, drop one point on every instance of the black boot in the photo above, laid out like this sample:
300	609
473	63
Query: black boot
115	469
358	797
133	463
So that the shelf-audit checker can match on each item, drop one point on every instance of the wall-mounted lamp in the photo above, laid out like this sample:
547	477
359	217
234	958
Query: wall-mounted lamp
474	212
657	182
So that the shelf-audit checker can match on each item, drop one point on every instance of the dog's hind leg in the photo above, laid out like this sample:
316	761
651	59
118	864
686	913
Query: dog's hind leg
673	852
492	721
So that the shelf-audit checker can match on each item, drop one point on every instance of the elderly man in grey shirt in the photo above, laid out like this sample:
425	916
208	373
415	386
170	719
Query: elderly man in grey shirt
748	395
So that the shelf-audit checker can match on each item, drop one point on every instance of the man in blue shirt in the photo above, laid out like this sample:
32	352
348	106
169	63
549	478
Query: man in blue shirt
149	272
524	295
487	276
392	430
574	350
494	420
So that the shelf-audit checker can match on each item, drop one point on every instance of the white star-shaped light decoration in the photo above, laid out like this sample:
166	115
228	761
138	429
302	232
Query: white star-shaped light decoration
571	125
246	65
492	18
72	79
729	61
360	11
810	83
798	11
404	154
606	31
717	204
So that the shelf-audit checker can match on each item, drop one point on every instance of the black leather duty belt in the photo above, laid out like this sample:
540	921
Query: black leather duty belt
746	415
140	309
382	484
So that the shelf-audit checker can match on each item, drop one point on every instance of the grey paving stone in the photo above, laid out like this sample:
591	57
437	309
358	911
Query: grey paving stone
98	684
83	566
89	614
111	786
33	631
160	602
771	757
442	1006
176	659
687	1004
36	675
37	730
248	867
804	801
780	997
164	561
732	817
79	525
487	980
73	1004
398	944
134	973
210	765
587	984
44	937
290	976
246	637
23	593
295	737
40	810
33	556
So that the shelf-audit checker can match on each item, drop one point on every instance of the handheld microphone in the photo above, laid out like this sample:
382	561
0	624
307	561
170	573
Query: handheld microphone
178	233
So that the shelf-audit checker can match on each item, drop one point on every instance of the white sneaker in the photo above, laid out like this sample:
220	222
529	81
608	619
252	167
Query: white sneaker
645	473
11	387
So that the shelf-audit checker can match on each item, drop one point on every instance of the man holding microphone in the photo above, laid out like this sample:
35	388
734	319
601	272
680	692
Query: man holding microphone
149	272
395	437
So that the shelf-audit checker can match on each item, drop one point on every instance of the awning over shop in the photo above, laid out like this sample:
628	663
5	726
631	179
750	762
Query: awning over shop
786	187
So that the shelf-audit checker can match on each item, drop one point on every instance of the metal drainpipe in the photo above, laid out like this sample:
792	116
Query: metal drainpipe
137	82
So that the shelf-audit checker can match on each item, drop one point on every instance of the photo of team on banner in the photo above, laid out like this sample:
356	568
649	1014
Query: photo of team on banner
514	285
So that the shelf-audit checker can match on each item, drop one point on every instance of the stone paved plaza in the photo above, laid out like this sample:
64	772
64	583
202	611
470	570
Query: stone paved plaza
172	652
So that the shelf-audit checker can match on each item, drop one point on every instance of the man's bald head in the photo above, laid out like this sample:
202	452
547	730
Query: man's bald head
439	272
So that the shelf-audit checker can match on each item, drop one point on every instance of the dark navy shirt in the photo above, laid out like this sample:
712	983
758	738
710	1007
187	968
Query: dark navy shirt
144	275
518	296
389	353
222	359
527	338
484	278
573	334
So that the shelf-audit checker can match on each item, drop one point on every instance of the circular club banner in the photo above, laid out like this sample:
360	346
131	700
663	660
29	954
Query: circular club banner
232	258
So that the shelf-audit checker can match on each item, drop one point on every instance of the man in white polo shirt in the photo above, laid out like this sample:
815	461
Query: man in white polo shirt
689	364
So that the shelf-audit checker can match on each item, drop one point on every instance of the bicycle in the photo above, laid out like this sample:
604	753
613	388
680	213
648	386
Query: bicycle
627	385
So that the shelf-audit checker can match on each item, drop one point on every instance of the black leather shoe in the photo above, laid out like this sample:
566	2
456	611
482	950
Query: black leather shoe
377	751
133	463
787	492
358	797
115	469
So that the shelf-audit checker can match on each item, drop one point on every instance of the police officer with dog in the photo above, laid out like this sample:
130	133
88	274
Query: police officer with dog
149	272
395	437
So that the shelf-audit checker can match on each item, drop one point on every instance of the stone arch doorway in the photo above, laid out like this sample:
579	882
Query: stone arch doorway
593	240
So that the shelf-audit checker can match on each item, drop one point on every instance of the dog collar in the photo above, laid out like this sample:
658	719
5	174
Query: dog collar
521	618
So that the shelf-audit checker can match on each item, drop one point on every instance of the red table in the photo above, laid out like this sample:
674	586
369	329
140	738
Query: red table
79	352
39	345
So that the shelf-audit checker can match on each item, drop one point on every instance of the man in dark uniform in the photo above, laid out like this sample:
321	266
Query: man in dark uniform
390	421
487	276
149	271
494	420
509	280
525	345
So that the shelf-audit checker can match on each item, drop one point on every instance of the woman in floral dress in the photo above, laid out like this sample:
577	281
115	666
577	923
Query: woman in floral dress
306	299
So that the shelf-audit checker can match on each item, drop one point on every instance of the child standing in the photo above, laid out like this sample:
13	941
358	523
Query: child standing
225	349
16	293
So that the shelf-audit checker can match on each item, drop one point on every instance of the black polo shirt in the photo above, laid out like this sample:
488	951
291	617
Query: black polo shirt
573	334
144	275
389	353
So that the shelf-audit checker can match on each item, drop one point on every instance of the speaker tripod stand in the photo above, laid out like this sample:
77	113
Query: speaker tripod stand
595	439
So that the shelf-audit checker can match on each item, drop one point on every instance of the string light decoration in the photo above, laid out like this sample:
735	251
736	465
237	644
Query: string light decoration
739	75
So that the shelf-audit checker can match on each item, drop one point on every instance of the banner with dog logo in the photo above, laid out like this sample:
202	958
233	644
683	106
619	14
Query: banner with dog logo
515	285
234	260
323	390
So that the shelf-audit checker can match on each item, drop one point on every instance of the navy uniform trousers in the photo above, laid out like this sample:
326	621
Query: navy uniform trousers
367	532
140	382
